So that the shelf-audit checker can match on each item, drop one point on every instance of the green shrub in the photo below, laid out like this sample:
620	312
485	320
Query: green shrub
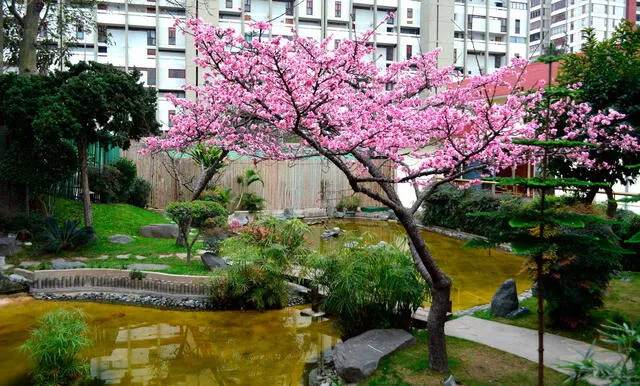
629	225
371	287
139	195
136	274
251	202
222	196
625	371
68	237
249	285
55	346
262	252
32	223
349	203
116	182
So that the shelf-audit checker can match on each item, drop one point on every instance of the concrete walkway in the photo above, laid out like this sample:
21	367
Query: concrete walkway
523	342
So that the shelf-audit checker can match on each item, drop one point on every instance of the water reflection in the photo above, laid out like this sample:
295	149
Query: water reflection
139	346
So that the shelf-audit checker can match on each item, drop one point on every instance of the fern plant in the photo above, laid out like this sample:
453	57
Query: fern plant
69	236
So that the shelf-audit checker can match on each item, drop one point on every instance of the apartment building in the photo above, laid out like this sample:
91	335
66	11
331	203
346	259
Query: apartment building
488	34
140	34
560	22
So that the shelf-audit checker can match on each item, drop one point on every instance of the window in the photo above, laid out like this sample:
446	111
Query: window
102	6
336	44
391	20
389	53
503	25
102	49
517	39
535	14
498	61
171	114
151	76
309	7
172	36
516	5
338	9
409	13
534	37
151	51
151	37
151	10
409	51
289	8
79	32
229	4
247	5
388	86
458	34
518	26
102	34
177	73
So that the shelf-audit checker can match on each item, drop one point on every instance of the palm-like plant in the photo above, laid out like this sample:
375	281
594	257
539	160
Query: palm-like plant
69	236
249	177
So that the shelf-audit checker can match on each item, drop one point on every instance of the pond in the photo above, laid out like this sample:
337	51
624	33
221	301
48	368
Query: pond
144	346
476	273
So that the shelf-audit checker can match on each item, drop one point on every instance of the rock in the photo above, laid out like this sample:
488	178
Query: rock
160	231
148	267
335	232
102	257
358	357
28	264
311	313
212	261
123	256
19	278
626	280
120	239
165	255
8	286
506	299
520	311
8	246
67	265
181	256
140	257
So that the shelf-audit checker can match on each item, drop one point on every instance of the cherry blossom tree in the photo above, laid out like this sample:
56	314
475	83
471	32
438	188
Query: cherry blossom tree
407	123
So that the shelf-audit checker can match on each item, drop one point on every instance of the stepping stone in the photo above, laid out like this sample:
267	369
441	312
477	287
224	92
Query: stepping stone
102	257
358	357
58	260
212	261
67	265
181	256
165	255
149	267
29	264
123	256
140	257
120	239
80	258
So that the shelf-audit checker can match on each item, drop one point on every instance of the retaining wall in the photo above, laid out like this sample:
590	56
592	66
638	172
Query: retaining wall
115	281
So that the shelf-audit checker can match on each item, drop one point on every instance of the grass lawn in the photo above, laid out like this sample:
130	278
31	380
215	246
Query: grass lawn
470	363
622	299
109	220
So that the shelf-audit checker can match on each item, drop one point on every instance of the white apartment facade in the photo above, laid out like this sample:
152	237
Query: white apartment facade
140	34
488	34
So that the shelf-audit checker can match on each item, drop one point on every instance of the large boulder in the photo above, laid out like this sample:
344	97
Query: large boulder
358	357
67	265
120	239
9	246
160	231
8	286
212	261
506	299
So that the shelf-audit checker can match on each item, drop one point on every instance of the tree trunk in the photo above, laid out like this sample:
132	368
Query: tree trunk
540	295
612	205
27	59
591	195
204	181
84	181
183	233
440	285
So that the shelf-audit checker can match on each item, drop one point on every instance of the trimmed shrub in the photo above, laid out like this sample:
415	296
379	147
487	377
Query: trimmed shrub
629	226
118	182
139	195
55	346
371	287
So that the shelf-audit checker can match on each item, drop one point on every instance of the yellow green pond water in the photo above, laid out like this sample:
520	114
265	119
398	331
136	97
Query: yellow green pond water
476	273
144	346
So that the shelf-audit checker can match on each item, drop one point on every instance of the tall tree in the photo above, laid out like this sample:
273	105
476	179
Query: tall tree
39	33
34	158
260	96
608	75
98	103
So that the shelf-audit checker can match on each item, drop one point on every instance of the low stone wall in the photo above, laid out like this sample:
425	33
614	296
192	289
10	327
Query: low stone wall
115	281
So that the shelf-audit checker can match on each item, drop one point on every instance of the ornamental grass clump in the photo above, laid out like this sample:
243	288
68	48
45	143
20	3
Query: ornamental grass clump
55	347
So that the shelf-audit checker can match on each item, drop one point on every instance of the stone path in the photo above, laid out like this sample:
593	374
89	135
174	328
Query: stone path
523	342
